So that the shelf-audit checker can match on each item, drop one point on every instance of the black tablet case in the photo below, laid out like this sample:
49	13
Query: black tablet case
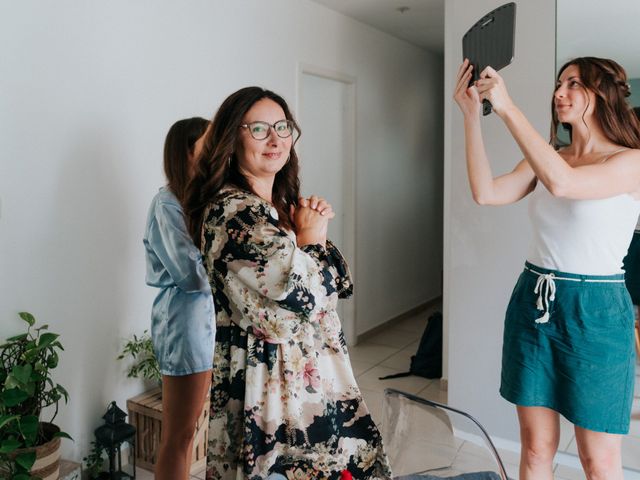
490	42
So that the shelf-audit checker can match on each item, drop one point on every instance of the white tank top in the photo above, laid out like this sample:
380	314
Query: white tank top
587	237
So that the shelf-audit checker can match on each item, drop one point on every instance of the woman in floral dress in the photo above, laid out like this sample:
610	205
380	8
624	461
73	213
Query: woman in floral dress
284	398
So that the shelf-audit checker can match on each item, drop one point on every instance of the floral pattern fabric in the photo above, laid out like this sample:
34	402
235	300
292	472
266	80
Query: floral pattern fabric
284	398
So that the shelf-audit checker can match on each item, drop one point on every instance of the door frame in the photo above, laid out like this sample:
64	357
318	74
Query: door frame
349	323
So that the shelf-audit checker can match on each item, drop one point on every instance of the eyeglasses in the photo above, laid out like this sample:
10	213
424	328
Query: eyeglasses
261	130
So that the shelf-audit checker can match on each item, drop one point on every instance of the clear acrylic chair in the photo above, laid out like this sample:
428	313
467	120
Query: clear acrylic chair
427	440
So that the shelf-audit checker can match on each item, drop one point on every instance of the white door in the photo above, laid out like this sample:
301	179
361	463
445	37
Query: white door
326	163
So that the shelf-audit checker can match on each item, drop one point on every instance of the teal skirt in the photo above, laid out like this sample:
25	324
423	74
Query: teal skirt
632	269
570	347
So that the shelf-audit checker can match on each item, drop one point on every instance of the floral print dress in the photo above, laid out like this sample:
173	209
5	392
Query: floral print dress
284	398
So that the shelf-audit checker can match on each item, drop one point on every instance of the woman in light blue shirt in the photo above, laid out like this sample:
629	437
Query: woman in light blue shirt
182	317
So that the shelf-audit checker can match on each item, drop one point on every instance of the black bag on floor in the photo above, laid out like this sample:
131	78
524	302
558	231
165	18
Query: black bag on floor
427	362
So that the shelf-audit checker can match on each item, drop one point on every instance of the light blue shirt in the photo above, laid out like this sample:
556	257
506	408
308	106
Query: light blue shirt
182	316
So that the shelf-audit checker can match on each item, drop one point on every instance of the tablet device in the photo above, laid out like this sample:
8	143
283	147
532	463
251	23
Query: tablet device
490	42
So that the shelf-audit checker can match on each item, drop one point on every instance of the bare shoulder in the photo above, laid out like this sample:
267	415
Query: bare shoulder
627	163
628	152
627	156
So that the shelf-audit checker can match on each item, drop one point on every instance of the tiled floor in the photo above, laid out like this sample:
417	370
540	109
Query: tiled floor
387	353
142	474
390	352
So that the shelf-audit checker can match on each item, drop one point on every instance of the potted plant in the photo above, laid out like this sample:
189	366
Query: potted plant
26	388
94	461
145	364
145	410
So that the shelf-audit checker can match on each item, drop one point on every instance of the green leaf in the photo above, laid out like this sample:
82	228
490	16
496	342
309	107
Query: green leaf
17	338
22	372
29	388
9	445
63	435
22	476
29	428
47	339
31	355
27	317
5	419
26	460
52	361
12	382
63	392
13	397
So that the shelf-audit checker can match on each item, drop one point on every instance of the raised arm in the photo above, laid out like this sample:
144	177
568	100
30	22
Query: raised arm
485	188
619	174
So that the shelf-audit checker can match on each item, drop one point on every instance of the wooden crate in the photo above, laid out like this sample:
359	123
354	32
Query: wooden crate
145	413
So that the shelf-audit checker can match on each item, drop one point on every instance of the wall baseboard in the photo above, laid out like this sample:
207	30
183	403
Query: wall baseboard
408	314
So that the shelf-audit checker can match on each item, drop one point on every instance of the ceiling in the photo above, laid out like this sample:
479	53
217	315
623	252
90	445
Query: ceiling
422	23
585	27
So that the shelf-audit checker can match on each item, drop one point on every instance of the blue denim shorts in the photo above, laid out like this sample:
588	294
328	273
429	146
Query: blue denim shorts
569	346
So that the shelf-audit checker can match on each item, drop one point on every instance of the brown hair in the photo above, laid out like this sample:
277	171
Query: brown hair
608	81
218	165
178	145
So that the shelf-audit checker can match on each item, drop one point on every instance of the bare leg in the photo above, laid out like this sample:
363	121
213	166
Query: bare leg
182	402
539	436
600	454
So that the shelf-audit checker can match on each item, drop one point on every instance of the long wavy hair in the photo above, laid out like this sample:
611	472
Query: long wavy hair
218	165
608	81
178	147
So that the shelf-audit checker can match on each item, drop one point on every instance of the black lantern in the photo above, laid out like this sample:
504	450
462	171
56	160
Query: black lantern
111	436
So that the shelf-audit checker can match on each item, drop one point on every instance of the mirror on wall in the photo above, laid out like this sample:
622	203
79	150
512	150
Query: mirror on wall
608	29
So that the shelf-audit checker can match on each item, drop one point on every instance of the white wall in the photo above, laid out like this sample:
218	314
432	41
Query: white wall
485	247
88	91
585	27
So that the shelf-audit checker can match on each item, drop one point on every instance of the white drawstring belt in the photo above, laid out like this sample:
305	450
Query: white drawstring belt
546	290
